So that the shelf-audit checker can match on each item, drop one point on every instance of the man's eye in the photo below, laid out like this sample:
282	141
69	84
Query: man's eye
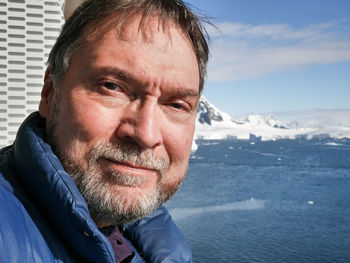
181	106
176	105
112	86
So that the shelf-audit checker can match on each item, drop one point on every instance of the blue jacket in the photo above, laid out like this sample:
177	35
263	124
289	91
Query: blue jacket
44	218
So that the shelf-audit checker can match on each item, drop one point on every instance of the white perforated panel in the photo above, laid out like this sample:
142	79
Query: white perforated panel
28	29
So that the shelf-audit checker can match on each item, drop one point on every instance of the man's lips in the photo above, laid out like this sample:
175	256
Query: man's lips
129	164
128	168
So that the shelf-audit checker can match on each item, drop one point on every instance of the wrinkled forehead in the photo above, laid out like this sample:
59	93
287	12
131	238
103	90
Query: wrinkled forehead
132	28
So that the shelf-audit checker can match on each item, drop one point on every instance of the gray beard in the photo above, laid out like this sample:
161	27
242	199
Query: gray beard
115	206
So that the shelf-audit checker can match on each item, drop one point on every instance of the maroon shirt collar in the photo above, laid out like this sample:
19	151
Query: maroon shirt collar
122	251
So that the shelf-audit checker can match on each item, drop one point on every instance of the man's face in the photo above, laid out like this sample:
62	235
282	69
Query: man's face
124	119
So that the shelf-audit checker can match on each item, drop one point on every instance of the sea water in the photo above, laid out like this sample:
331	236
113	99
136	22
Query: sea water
267	201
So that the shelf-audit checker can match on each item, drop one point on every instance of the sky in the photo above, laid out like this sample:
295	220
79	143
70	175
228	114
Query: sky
278	56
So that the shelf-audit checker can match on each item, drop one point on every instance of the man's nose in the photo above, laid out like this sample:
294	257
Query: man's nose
140	124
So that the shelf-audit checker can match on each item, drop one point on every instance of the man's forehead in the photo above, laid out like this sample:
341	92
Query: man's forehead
160	39
133	28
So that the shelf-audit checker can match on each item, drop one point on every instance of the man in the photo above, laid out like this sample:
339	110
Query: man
86	176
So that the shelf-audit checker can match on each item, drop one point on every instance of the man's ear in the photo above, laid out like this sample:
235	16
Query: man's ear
47	95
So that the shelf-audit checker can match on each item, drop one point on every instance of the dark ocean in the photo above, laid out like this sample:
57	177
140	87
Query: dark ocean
267	201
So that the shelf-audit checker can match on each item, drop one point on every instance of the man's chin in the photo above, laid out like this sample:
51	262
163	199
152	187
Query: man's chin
123	204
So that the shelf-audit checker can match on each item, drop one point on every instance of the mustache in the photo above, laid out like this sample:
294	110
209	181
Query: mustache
128	153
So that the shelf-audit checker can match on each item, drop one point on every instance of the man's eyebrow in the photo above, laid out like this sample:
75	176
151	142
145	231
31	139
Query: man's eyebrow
183	92
116	72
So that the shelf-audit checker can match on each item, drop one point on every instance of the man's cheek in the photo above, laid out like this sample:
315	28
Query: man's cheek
93	121
181	141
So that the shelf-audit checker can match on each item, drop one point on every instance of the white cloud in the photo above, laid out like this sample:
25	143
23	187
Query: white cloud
244	51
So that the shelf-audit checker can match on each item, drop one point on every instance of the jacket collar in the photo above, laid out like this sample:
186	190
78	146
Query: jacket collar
55	192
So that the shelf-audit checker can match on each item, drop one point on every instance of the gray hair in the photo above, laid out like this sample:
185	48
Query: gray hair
175	11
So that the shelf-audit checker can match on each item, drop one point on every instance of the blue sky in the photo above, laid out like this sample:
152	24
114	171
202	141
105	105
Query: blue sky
273	55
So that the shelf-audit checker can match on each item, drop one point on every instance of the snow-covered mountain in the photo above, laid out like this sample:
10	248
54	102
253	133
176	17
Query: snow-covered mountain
214	124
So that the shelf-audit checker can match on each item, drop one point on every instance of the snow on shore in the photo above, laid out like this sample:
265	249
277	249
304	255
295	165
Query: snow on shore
213	124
